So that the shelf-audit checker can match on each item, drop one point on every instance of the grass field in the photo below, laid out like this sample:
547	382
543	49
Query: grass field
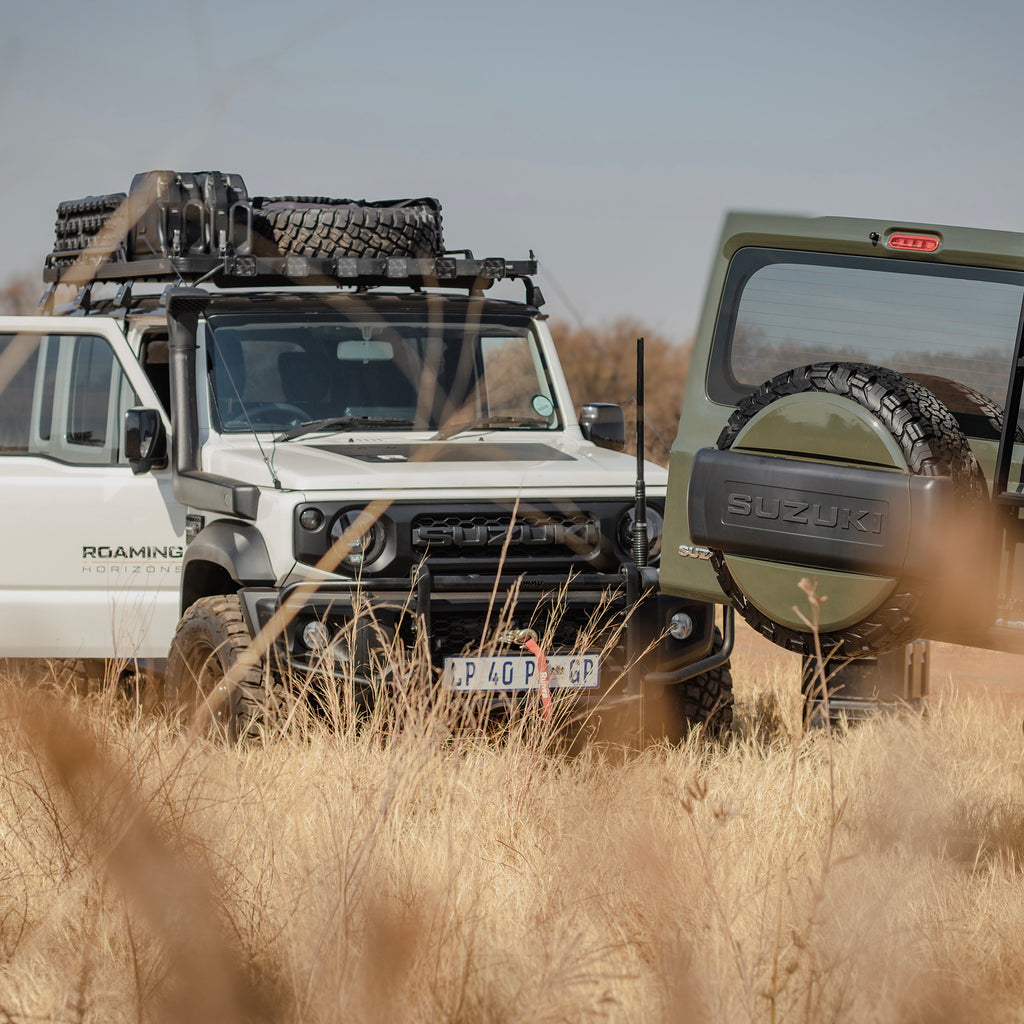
419	874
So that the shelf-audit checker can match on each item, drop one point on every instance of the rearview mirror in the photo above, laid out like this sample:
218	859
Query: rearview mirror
145	441
365	351
604	424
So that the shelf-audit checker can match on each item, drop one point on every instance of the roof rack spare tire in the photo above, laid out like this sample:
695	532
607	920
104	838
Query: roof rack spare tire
316	226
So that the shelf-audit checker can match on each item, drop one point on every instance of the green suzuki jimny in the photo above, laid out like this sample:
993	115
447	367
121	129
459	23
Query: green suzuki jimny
844	422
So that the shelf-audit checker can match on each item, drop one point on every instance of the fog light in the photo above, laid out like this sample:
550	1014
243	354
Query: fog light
315	636
680	626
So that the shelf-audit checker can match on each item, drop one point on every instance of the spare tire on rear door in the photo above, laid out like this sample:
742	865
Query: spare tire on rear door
852	474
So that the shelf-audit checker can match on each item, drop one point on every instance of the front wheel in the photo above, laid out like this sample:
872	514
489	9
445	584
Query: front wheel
208	644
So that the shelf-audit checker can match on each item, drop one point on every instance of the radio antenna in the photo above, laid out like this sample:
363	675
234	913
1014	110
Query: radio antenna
640	543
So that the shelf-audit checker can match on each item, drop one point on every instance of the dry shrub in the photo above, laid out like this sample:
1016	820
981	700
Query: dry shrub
20	294
423	870
600	366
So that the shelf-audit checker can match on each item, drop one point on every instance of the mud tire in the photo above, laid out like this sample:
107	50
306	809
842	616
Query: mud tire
978	415
705	700
932	444
323	228
208	643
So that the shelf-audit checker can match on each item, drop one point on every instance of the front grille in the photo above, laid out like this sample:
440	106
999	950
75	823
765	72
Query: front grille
484	535
468	538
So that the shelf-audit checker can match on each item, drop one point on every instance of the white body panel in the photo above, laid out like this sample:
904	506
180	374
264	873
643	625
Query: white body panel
92	553
93	561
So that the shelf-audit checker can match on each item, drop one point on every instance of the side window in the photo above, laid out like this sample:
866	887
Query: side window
19	363
89	391
97	394
62	397
47	385
156	364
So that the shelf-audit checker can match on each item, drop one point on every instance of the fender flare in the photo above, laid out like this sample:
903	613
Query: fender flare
237	548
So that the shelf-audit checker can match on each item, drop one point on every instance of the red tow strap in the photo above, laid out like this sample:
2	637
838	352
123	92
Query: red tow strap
542	675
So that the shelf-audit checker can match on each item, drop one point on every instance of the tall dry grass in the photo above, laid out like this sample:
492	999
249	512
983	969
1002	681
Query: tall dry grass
425	873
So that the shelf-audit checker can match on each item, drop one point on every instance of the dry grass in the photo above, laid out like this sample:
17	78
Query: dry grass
421	874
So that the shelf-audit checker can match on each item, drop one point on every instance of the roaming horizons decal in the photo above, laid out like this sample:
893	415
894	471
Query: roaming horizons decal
131	560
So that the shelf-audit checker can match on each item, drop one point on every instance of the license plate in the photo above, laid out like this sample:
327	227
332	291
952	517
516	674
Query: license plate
519	672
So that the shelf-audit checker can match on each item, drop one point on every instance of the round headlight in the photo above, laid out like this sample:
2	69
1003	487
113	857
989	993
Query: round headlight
655	526
311	518
366	537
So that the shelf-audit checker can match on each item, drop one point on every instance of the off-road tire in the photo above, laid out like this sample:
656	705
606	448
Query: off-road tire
318	227
932	444
207	644
705	700
978	415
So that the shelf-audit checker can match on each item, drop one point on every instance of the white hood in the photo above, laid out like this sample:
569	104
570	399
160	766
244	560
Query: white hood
477	465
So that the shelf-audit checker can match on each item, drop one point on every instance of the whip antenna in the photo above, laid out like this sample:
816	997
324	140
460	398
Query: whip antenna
640	544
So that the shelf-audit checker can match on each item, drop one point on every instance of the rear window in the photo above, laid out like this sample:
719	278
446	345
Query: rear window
785	309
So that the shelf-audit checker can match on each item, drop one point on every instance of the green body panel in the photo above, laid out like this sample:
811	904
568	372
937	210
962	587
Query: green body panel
822	429
820	426
775	590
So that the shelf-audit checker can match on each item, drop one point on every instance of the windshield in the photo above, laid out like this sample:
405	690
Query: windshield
331	372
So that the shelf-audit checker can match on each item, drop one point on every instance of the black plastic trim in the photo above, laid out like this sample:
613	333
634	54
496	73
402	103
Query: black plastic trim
717	658
449	559
238	548
806	513
245	271
192	487
425	595
1011	412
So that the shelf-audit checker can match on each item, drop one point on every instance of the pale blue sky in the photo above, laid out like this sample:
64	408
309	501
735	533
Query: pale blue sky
609	137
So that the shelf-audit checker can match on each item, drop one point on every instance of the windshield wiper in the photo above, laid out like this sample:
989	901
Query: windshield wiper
486	422
341	423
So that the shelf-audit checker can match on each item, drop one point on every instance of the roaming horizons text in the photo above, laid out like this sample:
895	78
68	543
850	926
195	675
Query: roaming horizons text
147	558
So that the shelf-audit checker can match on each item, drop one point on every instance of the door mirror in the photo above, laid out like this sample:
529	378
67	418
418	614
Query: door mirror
145	441
604	424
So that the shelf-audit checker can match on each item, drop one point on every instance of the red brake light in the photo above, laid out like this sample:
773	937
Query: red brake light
914	243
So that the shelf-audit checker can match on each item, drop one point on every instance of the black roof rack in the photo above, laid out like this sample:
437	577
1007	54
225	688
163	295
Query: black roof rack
202	227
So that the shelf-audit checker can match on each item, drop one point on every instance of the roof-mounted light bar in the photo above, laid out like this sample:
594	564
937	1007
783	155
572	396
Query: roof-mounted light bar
235	271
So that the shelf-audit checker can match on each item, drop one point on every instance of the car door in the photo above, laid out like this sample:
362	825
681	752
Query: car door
92	553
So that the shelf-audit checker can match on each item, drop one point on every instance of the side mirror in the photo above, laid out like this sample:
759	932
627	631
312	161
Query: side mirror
604	424
145	441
